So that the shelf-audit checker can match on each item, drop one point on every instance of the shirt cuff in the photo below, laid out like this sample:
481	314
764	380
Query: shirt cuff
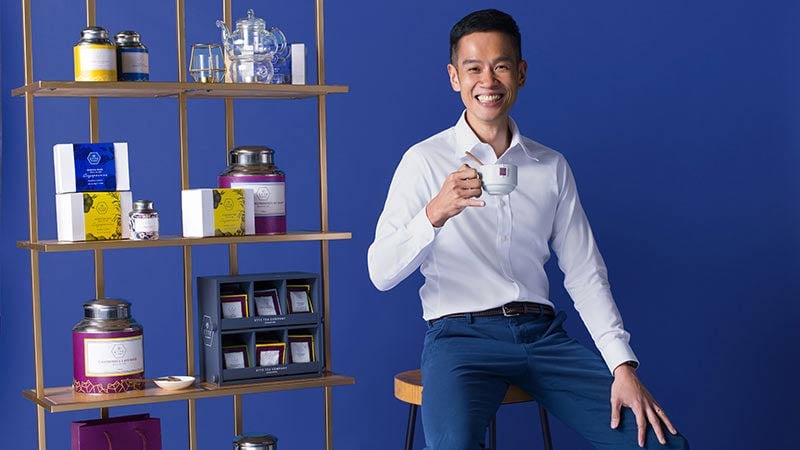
422	227
616	353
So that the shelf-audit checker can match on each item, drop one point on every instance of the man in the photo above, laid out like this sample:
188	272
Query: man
485	295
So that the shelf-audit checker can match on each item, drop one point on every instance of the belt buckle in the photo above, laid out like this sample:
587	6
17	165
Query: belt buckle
507	312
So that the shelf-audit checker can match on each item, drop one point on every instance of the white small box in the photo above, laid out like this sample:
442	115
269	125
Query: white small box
218	212
298	59
93	216
91	167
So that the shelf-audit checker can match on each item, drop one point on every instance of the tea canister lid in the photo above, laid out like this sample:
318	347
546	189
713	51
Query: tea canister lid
251	154
94	34
107	308
143	205
255	442
127	37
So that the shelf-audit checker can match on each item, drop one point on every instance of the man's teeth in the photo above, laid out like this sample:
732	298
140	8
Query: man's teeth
488	98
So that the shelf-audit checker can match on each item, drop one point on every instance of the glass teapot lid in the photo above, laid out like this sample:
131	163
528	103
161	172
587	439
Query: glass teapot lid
251	22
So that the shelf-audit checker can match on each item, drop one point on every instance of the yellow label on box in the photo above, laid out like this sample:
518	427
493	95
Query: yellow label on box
102	216
229	212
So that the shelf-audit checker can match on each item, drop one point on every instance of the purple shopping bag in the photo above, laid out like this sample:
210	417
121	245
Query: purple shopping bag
136	432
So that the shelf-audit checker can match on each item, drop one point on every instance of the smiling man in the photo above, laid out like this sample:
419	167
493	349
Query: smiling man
491	322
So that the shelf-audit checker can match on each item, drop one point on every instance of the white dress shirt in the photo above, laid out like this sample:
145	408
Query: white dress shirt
488	256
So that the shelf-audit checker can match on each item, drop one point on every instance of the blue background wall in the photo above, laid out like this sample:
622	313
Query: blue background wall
680	120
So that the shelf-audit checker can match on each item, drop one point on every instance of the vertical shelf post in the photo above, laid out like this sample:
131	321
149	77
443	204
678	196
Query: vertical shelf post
33	224
188	307
94	136
233	250
238	422
323	206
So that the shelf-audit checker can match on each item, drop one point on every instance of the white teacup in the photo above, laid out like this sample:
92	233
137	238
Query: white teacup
498	179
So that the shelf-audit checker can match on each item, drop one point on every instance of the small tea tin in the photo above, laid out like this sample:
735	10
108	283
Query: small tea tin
143	221
133	62
95	56
107	349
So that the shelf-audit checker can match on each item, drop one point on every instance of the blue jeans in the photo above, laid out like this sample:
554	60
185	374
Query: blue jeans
468	363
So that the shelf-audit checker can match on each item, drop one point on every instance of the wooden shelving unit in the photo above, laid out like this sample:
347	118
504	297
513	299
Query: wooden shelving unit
59	399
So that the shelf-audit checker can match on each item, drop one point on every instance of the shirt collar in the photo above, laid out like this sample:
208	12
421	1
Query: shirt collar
467	140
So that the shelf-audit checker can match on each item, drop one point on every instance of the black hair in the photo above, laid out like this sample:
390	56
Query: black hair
485	20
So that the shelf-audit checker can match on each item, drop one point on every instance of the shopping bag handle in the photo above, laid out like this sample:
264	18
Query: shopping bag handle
143	437
135	430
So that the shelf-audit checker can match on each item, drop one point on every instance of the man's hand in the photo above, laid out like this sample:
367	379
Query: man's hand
458	191
628	391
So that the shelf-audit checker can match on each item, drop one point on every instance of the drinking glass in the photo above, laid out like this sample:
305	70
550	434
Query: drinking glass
206	64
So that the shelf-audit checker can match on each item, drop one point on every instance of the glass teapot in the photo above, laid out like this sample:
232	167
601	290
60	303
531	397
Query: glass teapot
251	36
250	48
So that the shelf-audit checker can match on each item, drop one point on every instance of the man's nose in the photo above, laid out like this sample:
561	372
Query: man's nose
488	77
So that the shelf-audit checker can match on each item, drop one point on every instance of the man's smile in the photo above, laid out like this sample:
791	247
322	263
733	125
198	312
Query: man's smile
489	98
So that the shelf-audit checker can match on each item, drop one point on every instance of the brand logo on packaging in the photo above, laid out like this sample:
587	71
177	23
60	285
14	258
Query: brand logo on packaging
102	207
503	171
208	331
262	193
228	204
118	351
93	158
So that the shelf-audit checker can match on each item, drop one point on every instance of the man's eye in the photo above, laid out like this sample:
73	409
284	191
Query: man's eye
501	68
473	69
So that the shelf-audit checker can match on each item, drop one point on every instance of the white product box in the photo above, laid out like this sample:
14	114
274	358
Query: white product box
218	212
93	216
298	59
91	167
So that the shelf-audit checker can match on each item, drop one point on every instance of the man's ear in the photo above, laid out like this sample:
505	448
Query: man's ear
453	72
523	73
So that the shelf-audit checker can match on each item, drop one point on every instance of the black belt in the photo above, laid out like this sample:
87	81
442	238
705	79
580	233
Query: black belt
508	310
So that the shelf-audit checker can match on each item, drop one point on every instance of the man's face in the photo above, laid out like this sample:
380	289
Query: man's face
487	73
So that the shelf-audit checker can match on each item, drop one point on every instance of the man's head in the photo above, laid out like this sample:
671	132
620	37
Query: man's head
485	20
486	68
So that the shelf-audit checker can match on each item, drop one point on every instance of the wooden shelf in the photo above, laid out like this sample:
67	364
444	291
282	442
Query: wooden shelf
61	399
158	89
179	241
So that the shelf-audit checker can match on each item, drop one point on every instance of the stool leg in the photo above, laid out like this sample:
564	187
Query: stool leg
548	442
493	434
412	421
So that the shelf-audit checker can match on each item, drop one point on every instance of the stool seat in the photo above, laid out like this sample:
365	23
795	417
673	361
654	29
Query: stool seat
408	388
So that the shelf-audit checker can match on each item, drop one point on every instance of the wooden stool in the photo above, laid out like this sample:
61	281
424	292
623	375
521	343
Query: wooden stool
408	388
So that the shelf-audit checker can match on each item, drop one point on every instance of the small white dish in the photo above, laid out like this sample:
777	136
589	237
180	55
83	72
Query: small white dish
173	383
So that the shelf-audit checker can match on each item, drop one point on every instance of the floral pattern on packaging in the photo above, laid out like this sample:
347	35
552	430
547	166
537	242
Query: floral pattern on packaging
102	216
229	215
